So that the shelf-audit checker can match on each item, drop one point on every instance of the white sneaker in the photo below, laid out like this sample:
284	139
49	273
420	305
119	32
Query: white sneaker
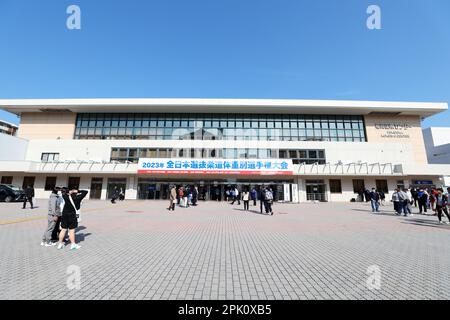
50	244
60	246
441	222
42	243
448	222
75	247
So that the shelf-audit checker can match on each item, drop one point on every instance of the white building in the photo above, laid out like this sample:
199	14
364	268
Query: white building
304	149
437	144
8	128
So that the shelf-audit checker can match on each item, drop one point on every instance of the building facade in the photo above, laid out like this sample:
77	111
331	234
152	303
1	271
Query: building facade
304	149
8	128
437	143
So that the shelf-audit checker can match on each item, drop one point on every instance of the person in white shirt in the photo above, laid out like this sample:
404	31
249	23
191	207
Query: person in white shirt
409	202
236	196
246	199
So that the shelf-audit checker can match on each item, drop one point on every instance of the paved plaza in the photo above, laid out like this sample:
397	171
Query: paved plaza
137	250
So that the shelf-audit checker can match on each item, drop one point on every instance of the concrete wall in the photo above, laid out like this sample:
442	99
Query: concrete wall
12	148
47	125
437	144
411	135
347	152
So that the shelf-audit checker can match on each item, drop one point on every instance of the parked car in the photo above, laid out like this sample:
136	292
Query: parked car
10	193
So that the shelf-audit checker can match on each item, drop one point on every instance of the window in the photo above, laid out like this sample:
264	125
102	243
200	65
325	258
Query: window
50	183
236	126
28	182
335	186
7	180
48	157
382	185
74	183
358	185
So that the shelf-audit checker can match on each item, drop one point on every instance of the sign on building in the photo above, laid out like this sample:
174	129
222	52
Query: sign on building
210	166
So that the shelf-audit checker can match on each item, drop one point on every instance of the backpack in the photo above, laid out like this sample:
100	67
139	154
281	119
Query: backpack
268	195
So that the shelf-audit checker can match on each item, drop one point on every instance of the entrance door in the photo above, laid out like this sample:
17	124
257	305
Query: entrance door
119	183
215	193
316	190
202	192
96	188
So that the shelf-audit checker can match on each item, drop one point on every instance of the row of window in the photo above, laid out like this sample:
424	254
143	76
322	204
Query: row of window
358	185
297	156
220	127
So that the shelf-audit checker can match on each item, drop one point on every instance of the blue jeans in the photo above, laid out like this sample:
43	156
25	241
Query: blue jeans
375	205
402	207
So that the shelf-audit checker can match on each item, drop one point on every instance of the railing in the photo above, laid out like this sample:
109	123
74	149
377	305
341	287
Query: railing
352	168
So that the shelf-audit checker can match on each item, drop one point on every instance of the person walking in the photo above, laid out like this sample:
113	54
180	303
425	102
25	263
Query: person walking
254	196
194	195
185	196
60	204
403	199
72	203
115	195
246	199
268	201
172	198
52	217
409	202
121	195
367	194
396	201
236	196
441	205
422	199
29	195
382	198
375	200
415	196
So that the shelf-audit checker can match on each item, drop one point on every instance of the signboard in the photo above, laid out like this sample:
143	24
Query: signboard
212	166
394	130
423	182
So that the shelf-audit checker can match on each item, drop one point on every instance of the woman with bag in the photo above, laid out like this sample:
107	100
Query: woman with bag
70	214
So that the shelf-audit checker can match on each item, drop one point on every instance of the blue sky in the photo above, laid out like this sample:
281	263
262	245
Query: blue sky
316	49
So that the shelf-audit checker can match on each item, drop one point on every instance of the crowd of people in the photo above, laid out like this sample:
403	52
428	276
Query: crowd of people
265	195
403	199
184	196
64	205
63	215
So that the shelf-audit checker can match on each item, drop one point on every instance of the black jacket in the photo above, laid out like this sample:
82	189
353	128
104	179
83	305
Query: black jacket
29	192
68	207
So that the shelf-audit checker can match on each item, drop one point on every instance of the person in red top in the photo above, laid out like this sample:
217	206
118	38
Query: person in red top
433	196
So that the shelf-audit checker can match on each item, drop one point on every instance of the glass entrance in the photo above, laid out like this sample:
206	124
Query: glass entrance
96	188
316	190
116	183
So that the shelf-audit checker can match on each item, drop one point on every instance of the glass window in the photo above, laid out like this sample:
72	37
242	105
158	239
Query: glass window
50	183
283	154
335	186
358	185
382	186
282	127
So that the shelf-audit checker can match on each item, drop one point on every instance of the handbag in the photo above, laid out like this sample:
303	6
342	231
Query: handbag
77	212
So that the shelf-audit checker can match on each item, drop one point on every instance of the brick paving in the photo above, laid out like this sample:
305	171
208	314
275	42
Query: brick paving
136	250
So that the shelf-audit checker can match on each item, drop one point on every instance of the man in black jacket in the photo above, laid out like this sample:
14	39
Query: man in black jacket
72	203
29	195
